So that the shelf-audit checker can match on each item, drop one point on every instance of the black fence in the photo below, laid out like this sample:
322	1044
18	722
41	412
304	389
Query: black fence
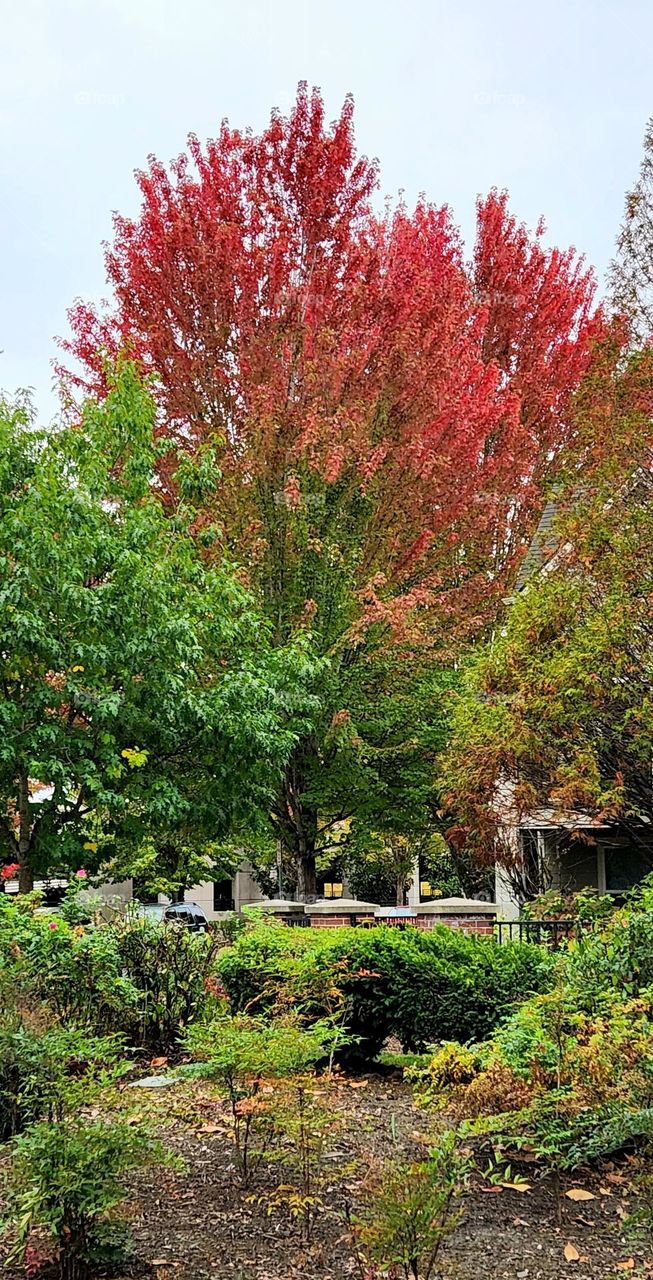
546	933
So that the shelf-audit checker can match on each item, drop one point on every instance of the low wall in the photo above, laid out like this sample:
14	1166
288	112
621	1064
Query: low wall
466	915
341	913
463	923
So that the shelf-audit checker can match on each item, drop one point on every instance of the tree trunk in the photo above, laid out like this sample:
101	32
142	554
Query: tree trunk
298	820
25	873
306	878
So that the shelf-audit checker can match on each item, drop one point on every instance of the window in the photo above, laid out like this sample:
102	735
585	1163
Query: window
223	898
531	868
625	865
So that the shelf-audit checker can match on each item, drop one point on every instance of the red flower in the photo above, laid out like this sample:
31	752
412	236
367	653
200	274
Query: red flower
9	872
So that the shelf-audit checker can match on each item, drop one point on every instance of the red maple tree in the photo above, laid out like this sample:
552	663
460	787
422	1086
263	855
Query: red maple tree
384	416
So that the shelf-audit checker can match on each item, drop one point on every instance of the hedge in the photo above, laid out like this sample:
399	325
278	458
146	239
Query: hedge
421	987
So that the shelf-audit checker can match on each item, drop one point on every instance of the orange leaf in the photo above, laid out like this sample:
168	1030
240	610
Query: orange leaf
571	1253
628	1264
577	1194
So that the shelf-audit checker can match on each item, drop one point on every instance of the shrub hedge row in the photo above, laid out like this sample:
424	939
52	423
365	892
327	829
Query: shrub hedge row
420	987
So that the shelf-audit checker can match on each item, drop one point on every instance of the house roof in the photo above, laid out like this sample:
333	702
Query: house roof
543	546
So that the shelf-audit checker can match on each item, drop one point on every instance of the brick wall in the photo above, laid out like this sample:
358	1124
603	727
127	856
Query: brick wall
321	921
464	922
329	922
481	924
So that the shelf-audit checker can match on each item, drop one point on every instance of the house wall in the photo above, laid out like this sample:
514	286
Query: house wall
244	891
507	904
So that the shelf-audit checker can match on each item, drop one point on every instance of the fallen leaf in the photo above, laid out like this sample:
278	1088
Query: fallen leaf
571	1253
357	1084
491	1191
519	1222
516	1186
211	1128
628	1264
615	1177
605	1191
158	1062
577	1193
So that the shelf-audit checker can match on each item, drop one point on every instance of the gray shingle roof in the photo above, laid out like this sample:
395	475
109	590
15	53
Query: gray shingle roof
544	544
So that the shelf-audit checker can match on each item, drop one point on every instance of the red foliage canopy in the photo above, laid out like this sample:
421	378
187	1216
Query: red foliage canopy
352	372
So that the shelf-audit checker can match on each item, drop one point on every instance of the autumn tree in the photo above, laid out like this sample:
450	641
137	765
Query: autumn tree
555	712
631	272
140	697
381	418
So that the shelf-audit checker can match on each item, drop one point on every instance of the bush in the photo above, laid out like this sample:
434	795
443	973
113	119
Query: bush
170	969
420	987
410	1209
244	1055
618	957
45	1072
134	977
66	1178
76	972
570	1073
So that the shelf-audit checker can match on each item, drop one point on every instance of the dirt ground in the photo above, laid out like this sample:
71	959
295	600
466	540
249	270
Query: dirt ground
199	1226
195	1224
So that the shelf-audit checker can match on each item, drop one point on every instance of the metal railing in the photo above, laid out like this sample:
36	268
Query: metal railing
546	933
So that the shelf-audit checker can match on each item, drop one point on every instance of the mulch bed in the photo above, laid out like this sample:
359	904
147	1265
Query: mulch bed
204	1227
197	1224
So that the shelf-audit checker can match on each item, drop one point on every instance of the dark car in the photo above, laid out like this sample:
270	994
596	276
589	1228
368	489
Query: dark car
186	913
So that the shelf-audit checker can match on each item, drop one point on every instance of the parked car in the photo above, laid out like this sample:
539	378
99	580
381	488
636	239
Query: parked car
185	913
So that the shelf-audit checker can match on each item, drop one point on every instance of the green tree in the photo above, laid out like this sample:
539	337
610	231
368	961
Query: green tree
369	767
140	696
556	711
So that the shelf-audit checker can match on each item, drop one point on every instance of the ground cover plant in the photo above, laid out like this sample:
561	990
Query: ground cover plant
568	1077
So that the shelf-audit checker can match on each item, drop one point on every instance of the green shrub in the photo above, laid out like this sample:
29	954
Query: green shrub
569	1074
76	972
569	1084
80	974
136	977
66	1178
46	1072
170	969
244	1055
617	957
409	1211
420	987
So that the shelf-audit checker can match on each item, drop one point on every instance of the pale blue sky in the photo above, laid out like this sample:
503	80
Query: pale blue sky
452	96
